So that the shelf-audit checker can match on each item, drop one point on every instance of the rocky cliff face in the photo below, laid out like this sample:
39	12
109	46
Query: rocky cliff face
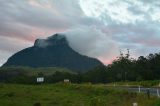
52	52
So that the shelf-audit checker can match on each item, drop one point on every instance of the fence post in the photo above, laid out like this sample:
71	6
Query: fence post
114	84
158	92
139	89
148	93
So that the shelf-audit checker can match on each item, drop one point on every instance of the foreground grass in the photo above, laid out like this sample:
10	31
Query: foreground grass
70	95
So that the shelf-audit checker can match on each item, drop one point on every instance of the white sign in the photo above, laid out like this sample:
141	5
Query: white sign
135	104
66	80
40	79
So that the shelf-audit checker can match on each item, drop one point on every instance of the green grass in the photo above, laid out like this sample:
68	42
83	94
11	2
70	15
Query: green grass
70	95
34	71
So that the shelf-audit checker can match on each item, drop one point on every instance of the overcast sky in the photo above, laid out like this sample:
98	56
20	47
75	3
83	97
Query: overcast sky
96	28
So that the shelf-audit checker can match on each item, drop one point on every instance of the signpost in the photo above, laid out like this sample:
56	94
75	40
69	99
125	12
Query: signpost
66	81
135	104
40	79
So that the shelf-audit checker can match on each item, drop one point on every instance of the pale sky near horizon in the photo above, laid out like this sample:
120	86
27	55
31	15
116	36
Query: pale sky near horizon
96	28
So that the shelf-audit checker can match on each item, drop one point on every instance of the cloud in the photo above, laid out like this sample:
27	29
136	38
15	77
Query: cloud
9	46
122	12
94	28
21	18
91	41
4	56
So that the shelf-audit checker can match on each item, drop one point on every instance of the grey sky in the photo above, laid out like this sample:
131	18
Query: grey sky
97	28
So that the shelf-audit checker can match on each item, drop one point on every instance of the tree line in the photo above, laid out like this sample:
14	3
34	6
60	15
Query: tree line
124	68
129	69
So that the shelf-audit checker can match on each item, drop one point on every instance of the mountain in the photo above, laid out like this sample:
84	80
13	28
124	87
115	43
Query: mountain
52	52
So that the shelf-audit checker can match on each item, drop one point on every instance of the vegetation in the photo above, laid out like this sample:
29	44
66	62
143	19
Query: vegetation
69	95
129	69
27	75
123	69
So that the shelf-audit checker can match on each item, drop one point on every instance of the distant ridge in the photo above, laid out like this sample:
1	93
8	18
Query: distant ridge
52	52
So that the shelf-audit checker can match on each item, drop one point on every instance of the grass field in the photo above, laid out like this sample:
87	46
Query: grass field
70	95
34	71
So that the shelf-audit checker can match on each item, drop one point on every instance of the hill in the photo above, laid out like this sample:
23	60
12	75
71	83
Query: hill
52	52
